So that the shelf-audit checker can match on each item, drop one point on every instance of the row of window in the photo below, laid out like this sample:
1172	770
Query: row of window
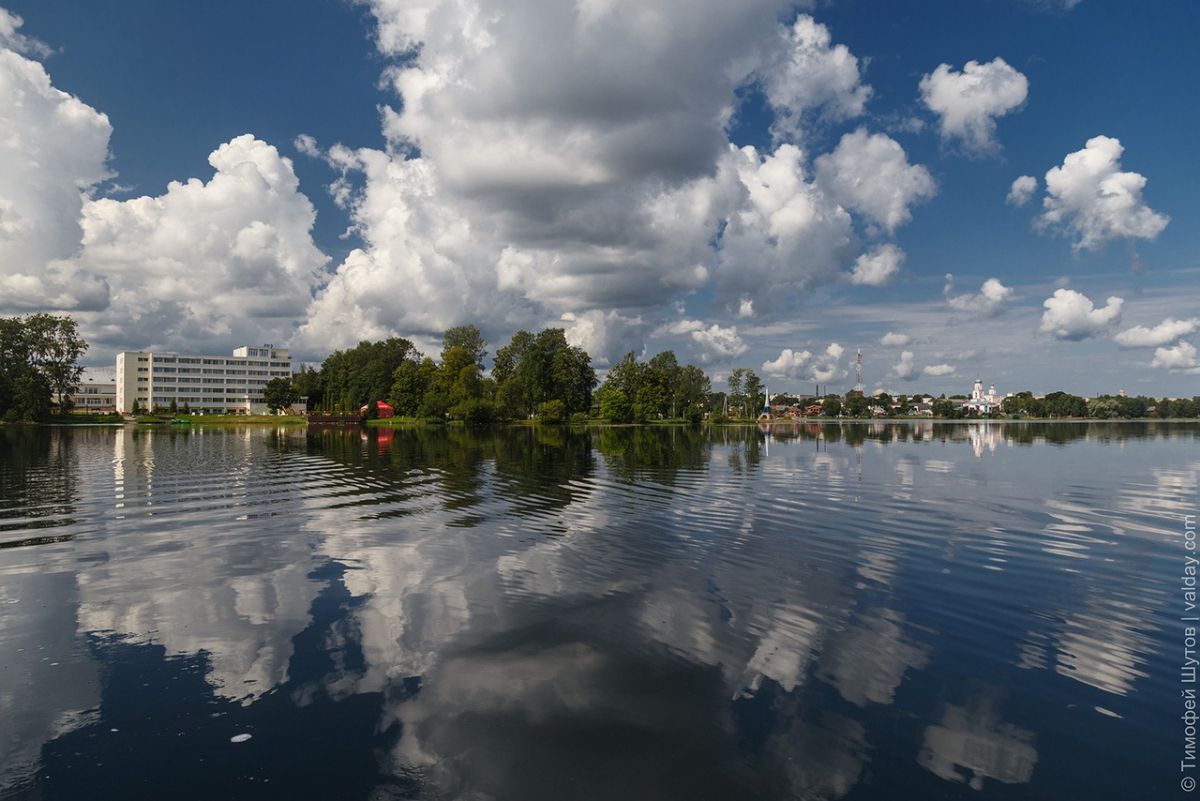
235	361
198	371
162	398
231	384
201	360
251	392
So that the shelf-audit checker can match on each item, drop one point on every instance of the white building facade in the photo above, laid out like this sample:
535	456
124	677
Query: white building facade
984	402
96	393
205	384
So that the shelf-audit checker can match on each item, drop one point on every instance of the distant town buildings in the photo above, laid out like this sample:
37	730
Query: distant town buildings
206	384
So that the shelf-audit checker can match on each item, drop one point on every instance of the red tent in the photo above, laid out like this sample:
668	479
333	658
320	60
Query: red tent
383	408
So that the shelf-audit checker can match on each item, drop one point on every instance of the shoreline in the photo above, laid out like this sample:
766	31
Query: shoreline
296	422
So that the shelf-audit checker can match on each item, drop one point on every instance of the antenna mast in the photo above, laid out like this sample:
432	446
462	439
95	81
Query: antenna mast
858	382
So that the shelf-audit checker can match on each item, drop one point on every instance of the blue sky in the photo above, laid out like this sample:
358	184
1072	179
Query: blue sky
522	164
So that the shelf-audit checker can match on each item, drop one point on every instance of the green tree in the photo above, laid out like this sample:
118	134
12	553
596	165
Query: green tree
662	374
362	374
552	412
39	357
468	338
535	368
476	412
459	383
692	387
615	406
737	390
856	405
832	407
308	384
280	393
756	398
410	380
945	408
1064	404
57	348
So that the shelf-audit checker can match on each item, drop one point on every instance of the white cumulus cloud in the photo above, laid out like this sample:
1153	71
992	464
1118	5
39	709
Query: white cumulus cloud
53	153
1166	332
1072	315
870	174
1092	200
605	335
804	365
906	368
807	74
968	102
206	263
1022	190
1181	357
989	301
788	364
11	37
894	340
552	158
719	342
784	235
878	266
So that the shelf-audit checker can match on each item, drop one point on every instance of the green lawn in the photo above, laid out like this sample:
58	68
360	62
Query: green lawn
83	419
401	422
246	419
224	419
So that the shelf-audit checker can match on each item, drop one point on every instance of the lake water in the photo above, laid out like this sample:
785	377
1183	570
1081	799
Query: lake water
870	611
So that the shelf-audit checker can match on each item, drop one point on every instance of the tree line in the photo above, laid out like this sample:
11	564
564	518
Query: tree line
39	361
535	375
661	388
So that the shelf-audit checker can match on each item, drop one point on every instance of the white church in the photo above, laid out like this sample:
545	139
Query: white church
983	402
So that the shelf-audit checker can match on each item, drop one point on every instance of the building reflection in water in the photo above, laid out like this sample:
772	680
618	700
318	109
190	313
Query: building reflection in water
971	743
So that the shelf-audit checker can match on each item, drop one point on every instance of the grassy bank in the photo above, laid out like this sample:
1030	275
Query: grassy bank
222	419
83	419
419	422
403	422
246	419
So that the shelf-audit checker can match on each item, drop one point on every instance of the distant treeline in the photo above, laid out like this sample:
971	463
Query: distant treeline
1103	407
542	376
538	375
39	359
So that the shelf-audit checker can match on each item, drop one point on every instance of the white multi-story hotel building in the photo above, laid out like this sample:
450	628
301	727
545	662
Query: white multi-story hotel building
96	393
207	384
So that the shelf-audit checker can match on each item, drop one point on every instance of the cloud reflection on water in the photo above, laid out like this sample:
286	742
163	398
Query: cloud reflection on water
626	607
